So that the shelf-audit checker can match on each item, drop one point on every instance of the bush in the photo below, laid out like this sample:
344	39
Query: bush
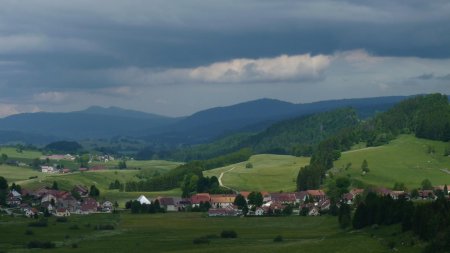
228	234
61	219
39	223
74	245
249	165
104	227
42	245
74	227
278	238
29	232
201	240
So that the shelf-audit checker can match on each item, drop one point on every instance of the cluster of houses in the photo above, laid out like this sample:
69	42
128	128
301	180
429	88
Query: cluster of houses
54	169
56	202
67	157
312	202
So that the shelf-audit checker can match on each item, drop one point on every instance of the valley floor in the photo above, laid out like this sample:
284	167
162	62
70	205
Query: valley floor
174	232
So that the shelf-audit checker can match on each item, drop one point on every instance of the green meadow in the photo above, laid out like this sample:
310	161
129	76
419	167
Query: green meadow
12	152
175	232
406	160
269	173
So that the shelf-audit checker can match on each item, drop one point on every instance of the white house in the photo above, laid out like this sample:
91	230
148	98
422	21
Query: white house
143	200
47	169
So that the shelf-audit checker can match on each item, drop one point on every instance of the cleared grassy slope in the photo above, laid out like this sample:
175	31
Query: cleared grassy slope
269	173
405	159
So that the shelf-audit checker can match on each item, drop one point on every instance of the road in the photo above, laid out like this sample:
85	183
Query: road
220	179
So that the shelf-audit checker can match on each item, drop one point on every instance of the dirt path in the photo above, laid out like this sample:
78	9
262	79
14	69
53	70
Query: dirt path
220	179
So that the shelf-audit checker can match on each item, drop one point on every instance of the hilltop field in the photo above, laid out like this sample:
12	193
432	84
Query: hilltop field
405	160
268	173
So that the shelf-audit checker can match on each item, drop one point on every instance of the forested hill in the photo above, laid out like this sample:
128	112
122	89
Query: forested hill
425	116
294	136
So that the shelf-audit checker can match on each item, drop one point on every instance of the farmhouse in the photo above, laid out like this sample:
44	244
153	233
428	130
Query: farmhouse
227	211
168	203
200	198
62	212
143	200
222	201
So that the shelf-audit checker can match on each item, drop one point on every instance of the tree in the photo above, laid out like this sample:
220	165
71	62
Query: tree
3	190
255	198
365	166
16	187
94	191
344	215
55	186
414	194
249	165
3	183
122	165
3	158
426	184
445	190
240	202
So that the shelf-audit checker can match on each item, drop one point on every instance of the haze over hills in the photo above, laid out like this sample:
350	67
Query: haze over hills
99	122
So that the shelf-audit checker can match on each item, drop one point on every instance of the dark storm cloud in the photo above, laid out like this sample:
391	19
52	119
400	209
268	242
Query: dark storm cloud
49	48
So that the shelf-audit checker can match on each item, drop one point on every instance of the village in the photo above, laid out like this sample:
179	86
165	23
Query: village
82	201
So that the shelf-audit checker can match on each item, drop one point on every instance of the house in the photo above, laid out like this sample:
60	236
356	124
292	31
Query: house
83	169
143	200
49	197
81	190
427	194
324	205
284	198
222	200
301	196
168	203
89	205
314	211
442	188
47	169
31	212
317	195
62	212
259	211
65	171
68	202
107	206
227	211
383	191
198	198
97	167
13	201
398	194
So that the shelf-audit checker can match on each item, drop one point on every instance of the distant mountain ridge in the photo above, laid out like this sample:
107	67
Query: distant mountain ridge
203	126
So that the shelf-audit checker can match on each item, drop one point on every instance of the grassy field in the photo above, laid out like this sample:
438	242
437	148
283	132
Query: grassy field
174	232
405	159
102	179
11	152
269	173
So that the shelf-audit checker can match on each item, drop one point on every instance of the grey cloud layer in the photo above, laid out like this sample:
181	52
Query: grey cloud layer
141	51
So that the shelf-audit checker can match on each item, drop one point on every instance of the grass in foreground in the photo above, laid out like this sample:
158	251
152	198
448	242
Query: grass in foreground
175	232
269	173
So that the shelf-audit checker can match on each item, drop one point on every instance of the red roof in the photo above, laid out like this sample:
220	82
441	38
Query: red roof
200	197
316	193
283	197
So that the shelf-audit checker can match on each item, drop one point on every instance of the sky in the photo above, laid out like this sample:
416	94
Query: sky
178	57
